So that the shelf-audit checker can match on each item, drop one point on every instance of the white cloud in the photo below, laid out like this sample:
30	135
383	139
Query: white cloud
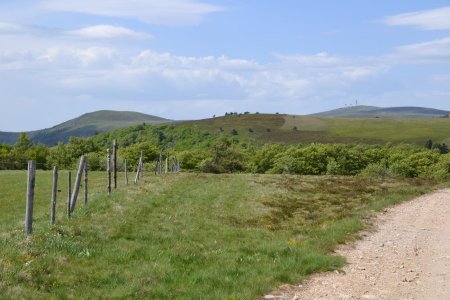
167	12
9	28
109	32
114	77
318	60
432	19
75	58
108	73
323	66
13	29
96	32
436	51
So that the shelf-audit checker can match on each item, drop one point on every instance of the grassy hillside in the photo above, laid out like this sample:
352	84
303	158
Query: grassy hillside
361	111
263	128
84	126
185	236
8	137
259	129
256	128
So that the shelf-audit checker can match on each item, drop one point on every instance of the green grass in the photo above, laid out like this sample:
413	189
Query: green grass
313	129
13	191
257	128
186	236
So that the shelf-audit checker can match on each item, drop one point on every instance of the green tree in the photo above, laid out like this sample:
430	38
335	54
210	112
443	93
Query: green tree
5	157
190	159
79	146
133	152
39	153
23	143
264	158
59	156
225	158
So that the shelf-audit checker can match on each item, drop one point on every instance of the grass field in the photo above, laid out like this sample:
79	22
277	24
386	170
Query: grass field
185	236
310	129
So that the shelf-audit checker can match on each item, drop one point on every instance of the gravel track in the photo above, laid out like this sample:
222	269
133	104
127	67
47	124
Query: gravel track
406	256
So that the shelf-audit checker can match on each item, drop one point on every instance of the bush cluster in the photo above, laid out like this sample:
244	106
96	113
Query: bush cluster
323	159
201	152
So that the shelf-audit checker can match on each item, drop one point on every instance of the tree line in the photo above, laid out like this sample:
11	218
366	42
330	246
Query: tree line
200	152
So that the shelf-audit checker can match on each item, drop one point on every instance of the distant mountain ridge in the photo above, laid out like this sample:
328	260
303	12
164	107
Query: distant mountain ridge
362	111
86	125
339	125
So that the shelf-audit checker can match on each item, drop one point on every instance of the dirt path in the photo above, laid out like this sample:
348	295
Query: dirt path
406	257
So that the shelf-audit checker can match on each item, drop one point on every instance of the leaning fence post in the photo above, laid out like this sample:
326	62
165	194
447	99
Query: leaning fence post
69	191
138	170
115	163
137	174
76	187
54	193
86	182
30	196
108	169
126	171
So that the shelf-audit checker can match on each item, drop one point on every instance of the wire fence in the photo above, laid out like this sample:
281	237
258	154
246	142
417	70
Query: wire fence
20	165
163	165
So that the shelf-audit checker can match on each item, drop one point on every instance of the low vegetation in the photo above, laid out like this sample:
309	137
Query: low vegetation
186	236
201	151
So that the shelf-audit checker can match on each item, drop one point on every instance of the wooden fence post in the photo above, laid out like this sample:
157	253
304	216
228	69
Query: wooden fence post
115	163
30	196
160	163
86	181
137	175
126	172
69	192
142	165
174	165
76	186
108	169
54	193
166	169
138	170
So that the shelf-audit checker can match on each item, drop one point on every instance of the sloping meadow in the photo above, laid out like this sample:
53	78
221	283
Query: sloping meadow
188	236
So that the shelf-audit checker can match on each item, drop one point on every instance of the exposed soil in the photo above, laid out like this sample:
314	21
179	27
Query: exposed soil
407	256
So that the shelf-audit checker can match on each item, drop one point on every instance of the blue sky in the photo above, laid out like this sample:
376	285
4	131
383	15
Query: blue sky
188	59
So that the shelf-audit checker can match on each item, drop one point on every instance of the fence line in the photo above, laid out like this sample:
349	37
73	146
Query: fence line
83	171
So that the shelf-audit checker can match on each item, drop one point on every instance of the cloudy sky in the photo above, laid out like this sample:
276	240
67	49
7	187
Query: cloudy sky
188	59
